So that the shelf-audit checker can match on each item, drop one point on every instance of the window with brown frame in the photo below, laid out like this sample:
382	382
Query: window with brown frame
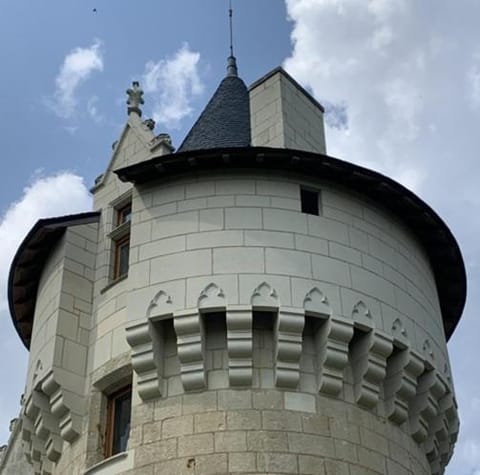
119	406
121	240
124	214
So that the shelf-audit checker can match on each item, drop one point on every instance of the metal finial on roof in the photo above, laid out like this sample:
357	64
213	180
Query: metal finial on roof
232	69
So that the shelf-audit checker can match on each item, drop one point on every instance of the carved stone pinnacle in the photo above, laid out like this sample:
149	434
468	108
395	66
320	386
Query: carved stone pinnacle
135	99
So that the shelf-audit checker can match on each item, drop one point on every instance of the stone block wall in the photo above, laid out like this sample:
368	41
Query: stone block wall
267	431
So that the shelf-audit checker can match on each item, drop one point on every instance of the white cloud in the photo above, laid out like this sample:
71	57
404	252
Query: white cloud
172	83
77	67
359	58
56	195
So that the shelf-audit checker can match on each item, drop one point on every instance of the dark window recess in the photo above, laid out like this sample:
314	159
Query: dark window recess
309	201
118	421
122	251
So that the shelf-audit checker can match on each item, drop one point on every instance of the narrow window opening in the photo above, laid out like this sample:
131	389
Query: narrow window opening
310	201
122	253
119	406
120	236
124	214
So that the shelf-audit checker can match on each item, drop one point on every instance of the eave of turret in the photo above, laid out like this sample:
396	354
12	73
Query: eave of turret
430	230
27	266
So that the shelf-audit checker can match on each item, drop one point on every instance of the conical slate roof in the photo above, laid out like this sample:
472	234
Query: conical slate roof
225	121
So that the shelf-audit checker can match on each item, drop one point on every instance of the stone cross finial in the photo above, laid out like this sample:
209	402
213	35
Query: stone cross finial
135	99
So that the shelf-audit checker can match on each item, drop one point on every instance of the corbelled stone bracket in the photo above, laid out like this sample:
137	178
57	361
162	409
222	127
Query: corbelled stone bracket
425	405
66	406
41	437
239	345
331	341
189	328
145	338
369	353
288	346
403	369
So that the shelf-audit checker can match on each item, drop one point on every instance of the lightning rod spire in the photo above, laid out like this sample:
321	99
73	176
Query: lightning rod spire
232	62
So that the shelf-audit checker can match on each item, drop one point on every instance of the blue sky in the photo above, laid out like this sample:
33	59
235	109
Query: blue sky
399	78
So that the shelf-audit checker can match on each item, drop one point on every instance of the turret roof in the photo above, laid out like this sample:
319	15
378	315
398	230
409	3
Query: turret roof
225	121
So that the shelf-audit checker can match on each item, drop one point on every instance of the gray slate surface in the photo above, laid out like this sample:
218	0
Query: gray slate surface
225	121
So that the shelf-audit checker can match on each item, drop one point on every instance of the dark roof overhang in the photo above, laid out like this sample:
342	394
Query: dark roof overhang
27	266
430	230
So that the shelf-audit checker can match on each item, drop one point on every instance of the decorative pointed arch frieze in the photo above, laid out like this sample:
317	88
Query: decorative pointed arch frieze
288	346
239	344
428	353
190	332
161	304
399	332
38	370
369	353
211	297
362	316
404	367
316	303
144	339
264	297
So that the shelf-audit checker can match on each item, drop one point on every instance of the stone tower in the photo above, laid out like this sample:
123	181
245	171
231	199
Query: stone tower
246	305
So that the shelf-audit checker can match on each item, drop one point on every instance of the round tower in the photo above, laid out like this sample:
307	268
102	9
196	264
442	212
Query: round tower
275	310
297	305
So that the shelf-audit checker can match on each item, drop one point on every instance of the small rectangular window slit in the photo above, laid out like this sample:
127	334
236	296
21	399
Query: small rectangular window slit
310	201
